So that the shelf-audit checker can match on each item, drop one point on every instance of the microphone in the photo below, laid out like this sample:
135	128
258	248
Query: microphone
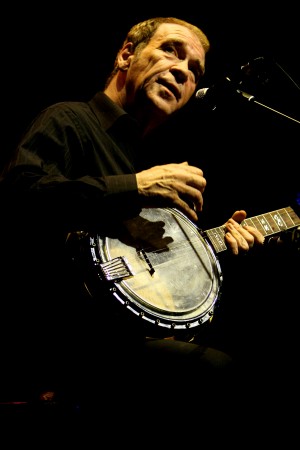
256	68
220	91
226	92
201	93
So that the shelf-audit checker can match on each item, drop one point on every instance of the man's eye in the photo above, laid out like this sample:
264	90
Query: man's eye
197	75
170	49
197	72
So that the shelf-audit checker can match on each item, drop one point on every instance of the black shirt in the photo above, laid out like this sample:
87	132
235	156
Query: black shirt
72	171
77	159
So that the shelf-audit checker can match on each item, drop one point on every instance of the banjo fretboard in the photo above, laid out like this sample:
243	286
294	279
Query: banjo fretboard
268	224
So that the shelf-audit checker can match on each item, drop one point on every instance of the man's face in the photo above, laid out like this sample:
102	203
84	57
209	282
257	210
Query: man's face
165	74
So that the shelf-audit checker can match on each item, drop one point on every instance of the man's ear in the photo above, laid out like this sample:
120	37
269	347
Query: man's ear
124	56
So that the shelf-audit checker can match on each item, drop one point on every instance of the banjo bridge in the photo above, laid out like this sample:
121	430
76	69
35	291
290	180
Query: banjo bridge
143	254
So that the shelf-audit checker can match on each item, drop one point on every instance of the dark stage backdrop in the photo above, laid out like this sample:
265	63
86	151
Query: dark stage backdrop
249	153
49	54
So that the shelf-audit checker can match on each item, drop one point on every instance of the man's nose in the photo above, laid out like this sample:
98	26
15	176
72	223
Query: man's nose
180	70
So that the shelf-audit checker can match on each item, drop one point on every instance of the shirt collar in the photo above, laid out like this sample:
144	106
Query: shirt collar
108	112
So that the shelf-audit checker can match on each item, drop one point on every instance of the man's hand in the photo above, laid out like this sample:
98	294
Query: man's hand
241	237
174	185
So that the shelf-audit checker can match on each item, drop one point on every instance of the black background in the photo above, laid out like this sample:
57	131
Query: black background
54	53
249	154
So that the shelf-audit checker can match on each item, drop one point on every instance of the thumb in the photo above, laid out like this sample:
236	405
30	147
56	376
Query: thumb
239	216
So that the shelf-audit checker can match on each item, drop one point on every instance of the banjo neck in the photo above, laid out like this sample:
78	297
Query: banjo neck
268	224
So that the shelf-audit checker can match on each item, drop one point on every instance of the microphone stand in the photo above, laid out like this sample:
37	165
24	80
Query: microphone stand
251	98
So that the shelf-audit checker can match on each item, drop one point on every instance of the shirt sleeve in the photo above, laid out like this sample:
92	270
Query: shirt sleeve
67	175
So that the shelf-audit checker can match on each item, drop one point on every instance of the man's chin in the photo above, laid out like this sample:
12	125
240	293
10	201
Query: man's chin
165	106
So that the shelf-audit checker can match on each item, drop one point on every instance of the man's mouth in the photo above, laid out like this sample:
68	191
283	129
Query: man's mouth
171	87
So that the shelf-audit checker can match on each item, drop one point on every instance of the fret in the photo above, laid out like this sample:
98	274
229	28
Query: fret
293	216
216	237
264	223
255	222
274	222
269	223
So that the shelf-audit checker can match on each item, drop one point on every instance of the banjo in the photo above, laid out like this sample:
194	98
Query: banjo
162	269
